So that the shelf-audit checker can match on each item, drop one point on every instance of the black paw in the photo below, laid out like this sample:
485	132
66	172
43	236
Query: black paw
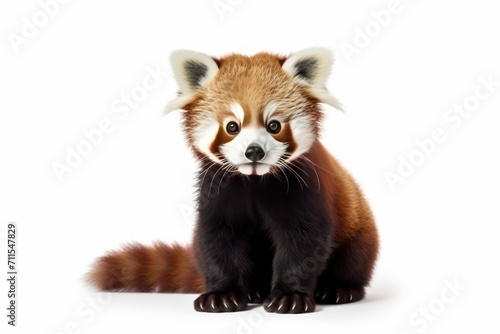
338	295
220	302
294	302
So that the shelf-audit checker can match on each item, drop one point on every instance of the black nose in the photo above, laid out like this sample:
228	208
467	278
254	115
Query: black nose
254	152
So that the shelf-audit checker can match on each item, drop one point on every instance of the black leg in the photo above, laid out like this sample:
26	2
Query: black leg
348	272
301	252
223	253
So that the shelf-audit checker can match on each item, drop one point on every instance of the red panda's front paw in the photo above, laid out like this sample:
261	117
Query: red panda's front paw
294	302
220	302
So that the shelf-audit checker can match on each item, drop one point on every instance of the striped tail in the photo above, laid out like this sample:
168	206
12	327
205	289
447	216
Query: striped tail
156	268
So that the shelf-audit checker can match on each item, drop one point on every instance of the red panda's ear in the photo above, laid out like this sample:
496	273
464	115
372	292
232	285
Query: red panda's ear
312	67
192	71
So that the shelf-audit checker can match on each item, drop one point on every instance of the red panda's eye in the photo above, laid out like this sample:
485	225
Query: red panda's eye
232	128
274	127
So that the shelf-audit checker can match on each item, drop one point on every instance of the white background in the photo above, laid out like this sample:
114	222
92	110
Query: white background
438	226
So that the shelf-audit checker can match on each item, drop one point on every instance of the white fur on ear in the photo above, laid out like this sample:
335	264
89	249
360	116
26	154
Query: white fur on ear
312	67
192	71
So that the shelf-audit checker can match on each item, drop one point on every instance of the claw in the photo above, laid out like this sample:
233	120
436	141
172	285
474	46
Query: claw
338	298
213	304
271	302
201	306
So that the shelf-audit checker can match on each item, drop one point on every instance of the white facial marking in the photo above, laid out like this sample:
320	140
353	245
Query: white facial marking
262	169
204	136
268	110
238	111
302	129
246	169
258	169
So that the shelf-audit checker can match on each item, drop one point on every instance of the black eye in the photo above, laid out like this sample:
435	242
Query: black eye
232	128
274	127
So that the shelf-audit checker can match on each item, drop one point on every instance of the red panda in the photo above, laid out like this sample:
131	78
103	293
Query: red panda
279	220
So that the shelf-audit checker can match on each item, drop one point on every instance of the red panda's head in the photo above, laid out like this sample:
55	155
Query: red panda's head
252	113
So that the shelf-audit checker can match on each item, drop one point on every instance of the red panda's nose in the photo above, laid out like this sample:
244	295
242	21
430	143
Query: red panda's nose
254	153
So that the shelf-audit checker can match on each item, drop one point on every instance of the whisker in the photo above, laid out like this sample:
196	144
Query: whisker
306	158
227	167
206	172
291	163
314	169
297	176
286	177
213	177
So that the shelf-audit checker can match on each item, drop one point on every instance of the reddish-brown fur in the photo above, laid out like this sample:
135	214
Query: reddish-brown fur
139	268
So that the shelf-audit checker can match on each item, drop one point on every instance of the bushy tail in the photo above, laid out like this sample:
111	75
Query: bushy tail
156	268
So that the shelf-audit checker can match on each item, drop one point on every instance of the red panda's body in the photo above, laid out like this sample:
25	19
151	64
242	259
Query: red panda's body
279	220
